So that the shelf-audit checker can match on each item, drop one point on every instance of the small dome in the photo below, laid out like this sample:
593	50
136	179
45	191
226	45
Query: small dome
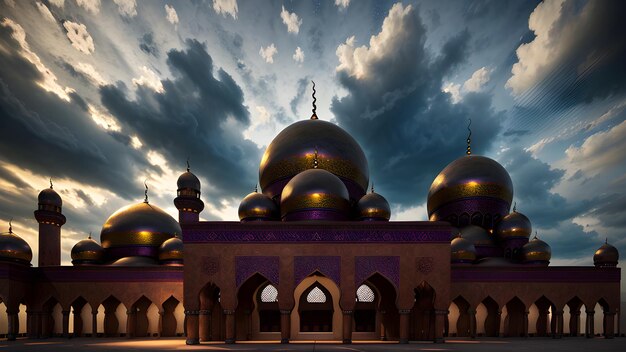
463	251
135	261
258	206
292	151
50	197
536	252
188	181
514	225
373	206
171	251
606	256
473	185
87	251
477	235
315	194
137	230
14	249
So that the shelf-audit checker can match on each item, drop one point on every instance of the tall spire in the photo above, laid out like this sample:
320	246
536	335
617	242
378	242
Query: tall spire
51	183
145	183
314	116
515	207
10	226
89	235
469	138
315	162
187	164
256	189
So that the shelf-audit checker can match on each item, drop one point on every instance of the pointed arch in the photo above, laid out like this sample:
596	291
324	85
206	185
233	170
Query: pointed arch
463	323
383	307
168	319
516	323
423	313
78	326
324	321
211	317
492	321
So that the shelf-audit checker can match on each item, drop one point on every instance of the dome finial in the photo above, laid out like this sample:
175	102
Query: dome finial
315	162
535	238
187	163
256	189
51	183
515	207
145	183
606	239
372	189
89	235
10	226
314	116
469	138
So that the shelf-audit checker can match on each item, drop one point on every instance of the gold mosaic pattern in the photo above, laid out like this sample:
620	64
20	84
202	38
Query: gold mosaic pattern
374	212
466	190
294	165
463	254
171	254
537	255
17	254
87	255
146	238
257	205
315	200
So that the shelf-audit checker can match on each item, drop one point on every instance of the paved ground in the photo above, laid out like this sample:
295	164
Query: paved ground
452	344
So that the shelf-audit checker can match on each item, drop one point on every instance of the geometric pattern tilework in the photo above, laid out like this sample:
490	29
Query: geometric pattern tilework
304	266
246	266
388	266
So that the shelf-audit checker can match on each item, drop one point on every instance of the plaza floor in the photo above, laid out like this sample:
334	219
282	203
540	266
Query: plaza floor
451	344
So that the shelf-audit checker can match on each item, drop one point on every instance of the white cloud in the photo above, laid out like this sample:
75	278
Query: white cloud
149	79
298	56
103	119
92	6
291	20
57	3
395	32
454	89
268	53
45	11
91	73
477	81
342	3
80	38
226	7
135	142
49	80
600	152
127	8
172	16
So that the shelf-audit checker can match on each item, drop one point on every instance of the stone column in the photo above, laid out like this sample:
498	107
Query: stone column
609	325
94	322
498	321
472	320
285	325
14	325
525	324
193	327
575	330
77	332
347	326
405	316
131	322
383	333
161	313
66	323
589	331
559	323
440	317
229	315
204	323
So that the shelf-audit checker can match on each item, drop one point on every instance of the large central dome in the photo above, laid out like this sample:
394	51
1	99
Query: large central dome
293	149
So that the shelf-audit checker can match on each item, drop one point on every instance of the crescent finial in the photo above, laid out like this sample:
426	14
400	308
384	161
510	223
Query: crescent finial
145	183
314	116
469	138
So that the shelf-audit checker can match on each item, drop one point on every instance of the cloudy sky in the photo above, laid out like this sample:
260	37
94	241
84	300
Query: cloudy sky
101	95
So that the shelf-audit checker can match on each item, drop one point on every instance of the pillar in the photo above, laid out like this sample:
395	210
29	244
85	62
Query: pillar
589	332
14	325
66	323
46	329
440	317
405	315
229	315
347	326
498	321
192	326
285	325
94	322
609	325
77	332
204	324
131	322
559	323
383	333
472	320
161	313
574	329
50	219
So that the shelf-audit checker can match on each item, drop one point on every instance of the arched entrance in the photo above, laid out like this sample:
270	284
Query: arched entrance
515	324
168	320
211	317
423	313
317	315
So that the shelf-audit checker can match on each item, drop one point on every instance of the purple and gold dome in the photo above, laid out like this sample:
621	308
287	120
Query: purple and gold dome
606	256
13	248
137	230
373	207
315	194
171	252
87	252
258	207
472	189
482	240
292	152
514	225
536	252
462	251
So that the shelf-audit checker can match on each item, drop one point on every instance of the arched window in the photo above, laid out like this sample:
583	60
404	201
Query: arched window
269	294
365	294
316	296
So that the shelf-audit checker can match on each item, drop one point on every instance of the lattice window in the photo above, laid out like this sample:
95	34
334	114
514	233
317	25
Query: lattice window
316	296
269	294
365	294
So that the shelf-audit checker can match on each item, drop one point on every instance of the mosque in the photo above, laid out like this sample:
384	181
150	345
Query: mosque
313	257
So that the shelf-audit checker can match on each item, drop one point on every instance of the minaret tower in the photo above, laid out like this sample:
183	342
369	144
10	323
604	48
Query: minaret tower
188	200
50	221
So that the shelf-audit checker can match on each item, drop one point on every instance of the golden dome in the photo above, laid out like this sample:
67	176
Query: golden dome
87	251
536	252
477	235
171	250
292	151
137	229
471	184
315	194
514	225
606	255
258	206
463	251
14	249
373	206
50	200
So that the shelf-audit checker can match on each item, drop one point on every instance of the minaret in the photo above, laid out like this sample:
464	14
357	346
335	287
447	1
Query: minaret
188	200
50	221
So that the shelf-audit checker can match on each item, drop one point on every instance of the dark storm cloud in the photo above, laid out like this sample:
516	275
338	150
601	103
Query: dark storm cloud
408	127
300	91
201	114
148	45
